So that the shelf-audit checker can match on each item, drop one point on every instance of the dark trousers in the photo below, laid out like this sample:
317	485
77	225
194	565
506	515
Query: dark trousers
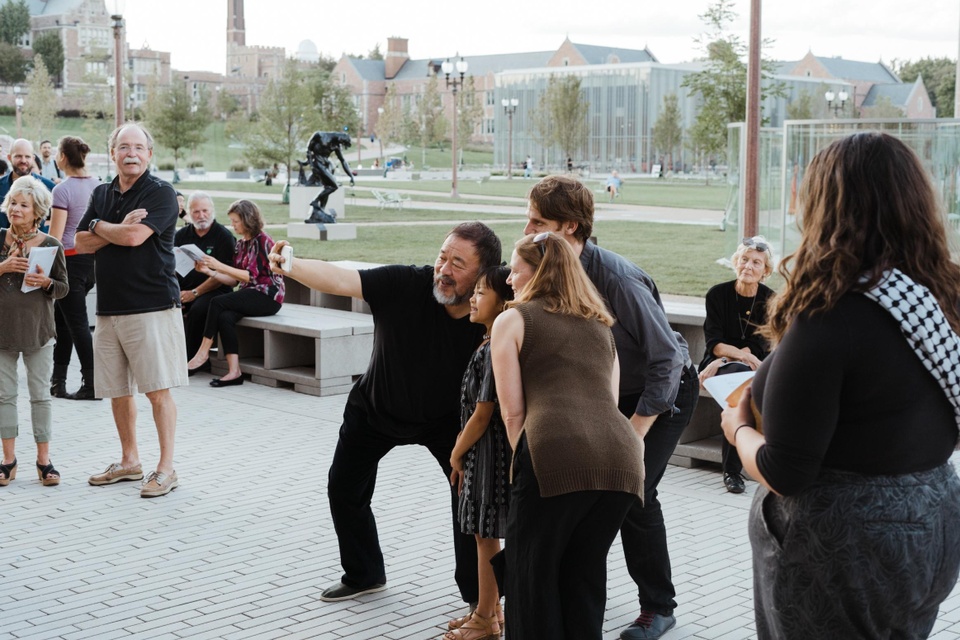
730	459
225	311
644	534
70	315
556	556
351	481
195	319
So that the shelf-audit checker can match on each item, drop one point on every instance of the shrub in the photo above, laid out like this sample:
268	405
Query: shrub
238	165
166	165
193	163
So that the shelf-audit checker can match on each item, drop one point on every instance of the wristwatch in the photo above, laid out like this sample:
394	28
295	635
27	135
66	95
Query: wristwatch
93	225
195	294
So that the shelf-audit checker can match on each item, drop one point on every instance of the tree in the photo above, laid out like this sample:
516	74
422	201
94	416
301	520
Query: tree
13	66
882	108
560	118
333	101
40	105
433	119
470	112
667	130
287	118
227	104
14	21
375	53
940	78
176	121
388	123
722	85
50	48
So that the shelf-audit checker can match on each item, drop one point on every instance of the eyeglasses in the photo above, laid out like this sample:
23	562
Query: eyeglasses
539	241
753	243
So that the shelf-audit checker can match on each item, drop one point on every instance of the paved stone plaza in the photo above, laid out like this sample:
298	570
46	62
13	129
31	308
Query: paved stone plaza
244	546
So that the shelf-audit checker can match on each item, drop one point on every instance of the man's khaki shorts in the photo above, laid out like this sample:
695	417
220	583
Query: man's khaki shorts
139	352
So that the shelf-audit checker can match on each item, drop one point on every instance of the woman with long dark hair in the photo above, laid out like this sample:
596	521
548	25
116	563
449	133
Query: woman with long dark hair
856	530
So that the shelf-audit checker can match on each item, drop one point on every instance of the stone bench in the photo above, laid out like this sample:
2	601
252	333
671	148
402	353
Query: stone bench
311	349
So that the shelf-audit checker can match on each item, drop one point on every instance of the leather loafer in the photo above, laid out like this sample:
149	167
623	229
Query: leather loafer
220	382
733	482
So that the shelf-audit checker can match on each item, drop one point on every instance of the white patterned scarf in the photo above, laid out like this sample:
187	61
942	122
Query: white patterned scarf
925	327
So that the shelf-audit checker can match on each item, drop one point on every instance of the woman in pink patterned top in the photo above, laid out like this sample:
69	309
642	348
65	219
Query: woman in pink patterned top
260	293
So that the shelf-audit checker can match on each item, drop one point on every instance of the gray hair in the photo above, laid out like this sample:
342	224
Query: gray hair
201	195
768	261
116	134
42	200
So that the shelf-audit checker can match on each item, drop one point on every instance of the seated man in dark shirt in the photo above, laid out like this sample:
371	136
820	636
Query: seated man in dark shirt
196	289
410	393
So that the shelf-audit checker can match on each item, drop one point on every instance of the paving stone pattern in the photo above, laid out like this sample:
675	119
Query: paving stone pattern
244	546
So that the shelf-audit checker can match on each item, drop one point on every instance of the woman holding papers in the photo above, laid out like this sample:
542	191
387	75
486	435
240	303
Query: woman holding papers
70	199
32	275
856	530
260	293
735	310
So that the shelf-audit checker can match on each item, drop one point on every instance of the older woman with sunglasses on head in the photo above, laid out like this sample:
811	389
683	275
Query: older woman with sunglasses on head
577	461
735	310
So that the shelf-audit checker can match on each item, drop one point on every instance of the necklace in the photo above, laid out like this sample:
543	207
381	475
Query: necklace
745	321
486	337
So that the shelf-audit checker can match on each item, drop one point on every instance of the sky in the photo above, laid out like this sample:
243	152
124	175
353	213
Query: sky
868	30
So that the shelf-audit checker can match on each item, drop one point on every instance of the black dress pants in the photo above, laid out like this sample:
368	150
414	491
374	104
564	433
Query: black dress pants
195	317
351	481
644	534
70	314
556	557
227	310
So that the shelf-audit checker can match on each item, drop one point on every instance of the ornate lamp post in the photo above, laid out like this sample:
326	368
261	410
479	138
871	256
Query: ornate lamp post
19	102
454	84
836	101
509	108
116	14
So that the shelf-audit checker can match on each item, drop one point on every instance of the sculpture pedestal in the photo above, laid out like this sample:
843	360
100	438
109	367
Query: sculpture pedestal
334	231
301	197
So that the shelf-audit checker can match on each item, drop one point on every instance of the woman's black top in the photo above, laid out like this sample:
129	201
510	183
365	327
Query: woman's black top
733	319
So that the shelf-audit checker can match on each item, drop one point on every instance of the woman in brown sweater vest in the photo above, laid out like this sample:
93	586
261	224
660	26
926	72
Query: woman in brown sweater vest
577	461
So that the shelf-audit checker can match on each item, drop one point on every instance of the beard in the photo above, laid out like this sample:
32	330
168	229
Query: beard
451	300
203	226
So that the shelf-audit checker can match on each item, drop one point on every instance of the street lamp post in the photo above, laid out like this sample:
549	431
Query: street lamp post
19	102
509	108
116	11
836	101
454	84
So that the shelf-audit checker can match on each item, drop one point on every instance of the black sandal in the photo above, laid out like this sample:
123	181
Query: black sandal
49	476
9	472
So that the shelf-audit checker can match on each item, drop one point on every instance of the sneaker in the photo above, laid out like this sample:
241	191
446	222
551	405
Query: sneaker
116	473
734	482
648	626
159	484
340	591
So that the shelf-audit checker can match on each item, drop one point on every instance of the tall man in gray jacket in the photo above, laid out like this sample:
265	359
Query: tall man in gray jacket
658	385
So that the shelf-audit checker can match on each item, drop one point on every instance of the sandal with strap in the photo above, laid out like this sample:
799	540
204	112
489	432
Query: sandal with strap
49	477
9	472
456	623
476	628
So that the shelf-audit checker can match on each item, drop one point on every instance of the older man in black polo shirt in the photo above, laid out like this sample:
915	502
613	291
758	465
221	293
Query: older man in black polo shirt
138	342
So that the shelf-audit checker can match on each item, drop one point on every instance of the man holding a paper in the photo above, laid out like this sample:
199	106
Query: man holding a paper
205	237
138	341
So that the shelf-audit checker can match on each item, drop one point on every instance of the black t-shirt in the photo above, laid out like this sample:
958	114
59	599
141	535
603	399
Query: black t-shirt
217	242
136	279
412	384
844	390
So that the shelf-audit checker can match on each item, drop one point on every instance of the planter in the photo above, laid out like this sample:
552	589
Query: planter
238	175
